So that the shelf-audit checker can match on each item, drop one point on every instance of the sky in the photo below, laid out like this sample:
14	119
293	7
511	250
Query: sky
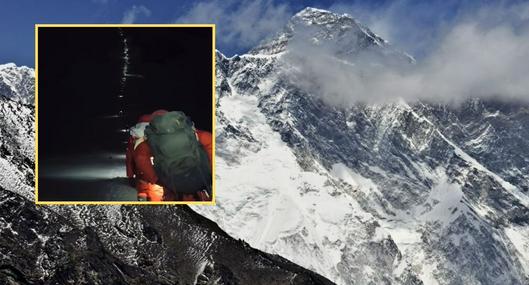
18	19
463	49
413	26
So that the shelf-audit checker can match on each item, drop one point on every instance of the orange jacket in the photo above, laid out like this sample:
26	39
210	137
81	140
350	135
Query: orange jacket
129	162
142	163
206	140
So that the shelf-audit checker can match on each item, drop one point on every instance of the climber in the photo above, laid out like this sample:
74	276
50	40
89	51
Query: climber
130	144
182	156
139	165
130	150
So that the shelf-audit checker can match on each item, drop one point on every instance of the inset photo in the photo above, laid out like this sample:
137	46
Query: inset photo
125	114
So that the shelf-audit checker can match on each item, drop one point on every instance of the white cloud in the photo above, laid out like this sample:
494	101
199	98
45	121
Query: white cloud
131	15
239	24
415	26
482	55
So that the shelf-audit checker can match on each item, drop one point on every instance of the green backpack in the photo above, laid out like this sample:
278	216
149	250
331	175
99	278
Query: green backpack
180	162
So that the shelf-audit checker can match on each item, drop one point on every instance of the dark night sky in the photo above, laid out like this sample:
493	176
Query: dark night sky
80	72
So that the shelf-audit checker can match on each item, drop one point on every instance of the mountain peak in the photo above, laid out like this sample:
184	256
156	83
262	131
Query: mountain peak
312	11
8	65
318	26
320	16
17	82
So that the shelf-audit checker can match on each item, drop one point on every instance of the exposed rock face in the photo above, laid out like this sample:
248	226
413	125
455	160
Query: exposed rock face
129	245
369	194
112	244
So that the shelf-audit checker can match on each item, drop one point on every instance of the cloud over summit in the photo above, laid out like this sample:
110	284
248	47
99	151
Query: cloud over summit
131	15
240	24
483	55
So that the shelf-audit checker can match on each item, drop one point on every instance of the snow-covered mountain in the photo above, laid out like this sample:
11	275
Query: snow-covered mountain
370	194
399	193
111	244
17	83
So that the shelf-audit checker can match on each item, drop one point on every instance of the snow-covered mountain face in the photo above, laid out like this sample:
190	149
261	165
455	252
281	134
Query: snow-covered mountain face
17	152
17	83
17	128
369	194
110	244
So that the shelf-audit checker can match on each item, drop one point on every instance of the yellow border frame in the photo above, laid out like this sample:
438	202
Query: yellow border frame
37	26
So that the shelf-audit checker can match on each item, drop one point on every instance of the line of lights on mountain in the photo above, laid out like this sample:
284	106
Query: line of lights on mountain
125	74
124	69
123	82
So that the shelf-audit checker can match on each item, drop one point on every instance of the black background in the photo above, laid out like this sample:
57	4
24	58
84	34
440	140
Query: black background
80	73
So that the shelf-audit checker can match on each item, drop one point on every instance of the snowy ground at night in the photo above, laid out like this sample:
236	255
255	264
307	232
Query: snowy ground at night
95	177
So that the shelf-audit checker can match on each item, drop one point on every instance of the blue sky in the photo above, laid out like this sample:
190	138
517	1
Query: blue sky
413	26
18	19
